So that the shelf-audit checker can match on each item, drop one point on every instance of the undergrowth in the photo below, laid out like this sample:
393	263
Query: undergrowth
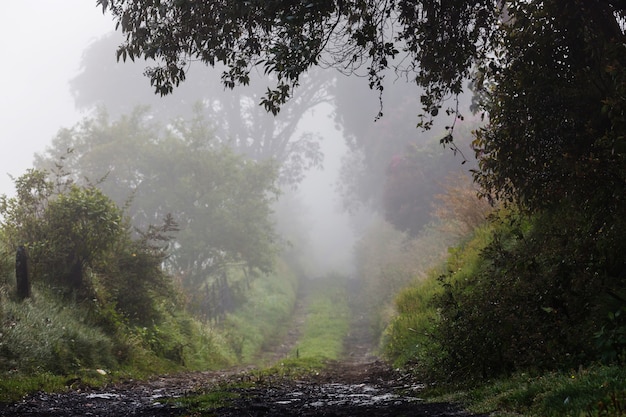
51	343
511	310
592	392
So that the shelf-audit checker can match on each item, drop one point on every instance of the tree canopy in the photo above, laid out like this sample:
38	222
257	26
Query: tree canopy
220	201
512	51
432	42
236	119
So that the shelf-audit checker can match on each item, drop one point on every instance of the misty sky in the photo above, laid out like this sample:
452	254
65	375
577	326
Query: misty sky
41	43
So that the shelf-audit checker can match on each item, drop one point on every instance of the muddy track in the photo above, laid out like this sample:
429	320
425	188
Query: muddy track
358	385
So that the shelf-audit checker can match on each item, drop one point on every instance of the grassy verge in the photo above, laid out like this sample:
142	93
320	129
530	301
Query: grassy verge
327	320
408	339
593	392
51	344
327	323
458	320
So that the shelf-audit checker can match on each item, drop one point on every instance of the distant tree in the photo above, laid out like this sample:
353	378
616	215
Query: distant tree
236	118
373	143
412	182
220	201
459	208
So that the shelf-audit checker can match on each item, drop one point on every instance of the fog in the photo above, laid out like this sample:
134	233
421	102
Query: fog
45	46
42	44
331	233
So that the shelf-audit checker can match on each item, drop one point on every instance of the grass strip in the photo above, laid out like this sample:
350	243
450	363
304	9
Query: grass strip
593	392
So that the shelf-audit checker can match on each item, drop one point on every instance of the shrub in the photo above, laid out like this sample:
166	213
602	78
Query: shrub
410	336
531	299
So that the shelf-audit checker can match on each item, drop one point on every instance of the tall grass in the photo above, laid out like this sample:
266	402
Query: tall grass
408	339
43	334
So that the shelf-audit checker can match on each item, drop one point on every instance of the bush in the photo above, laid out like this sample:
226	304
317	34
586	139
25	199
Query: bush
410	336
531	299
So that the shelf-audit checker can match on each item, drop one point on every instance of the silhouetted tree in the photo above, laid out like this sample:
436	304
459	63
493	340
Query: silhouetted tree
235	118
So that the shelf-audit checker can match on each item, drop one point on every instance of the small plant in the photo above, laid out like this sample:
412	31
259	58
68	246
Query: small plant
593	392
205	403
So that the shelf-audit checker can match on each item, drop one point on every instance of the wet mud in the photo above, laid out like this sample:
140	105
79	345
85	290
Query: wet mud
345	389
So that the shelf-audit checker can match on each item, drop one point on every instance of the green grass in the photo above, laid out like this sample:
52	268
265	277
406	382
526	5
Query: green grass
260	321
326	325
407	335
322	336
48	343
14	388
593	392
43	334
327	321
205	403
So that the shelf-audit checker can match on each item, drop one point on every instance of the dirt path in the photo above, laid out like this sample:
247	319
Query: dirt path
358	385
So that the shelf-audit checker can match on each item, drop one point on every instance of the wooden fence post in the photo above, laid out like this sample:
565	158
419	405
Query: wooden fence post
21	273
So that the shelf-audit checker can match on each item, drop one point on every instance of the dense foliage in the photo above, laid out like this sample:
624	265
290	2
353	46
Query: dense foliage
220	202
80	243
553	92
287	38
